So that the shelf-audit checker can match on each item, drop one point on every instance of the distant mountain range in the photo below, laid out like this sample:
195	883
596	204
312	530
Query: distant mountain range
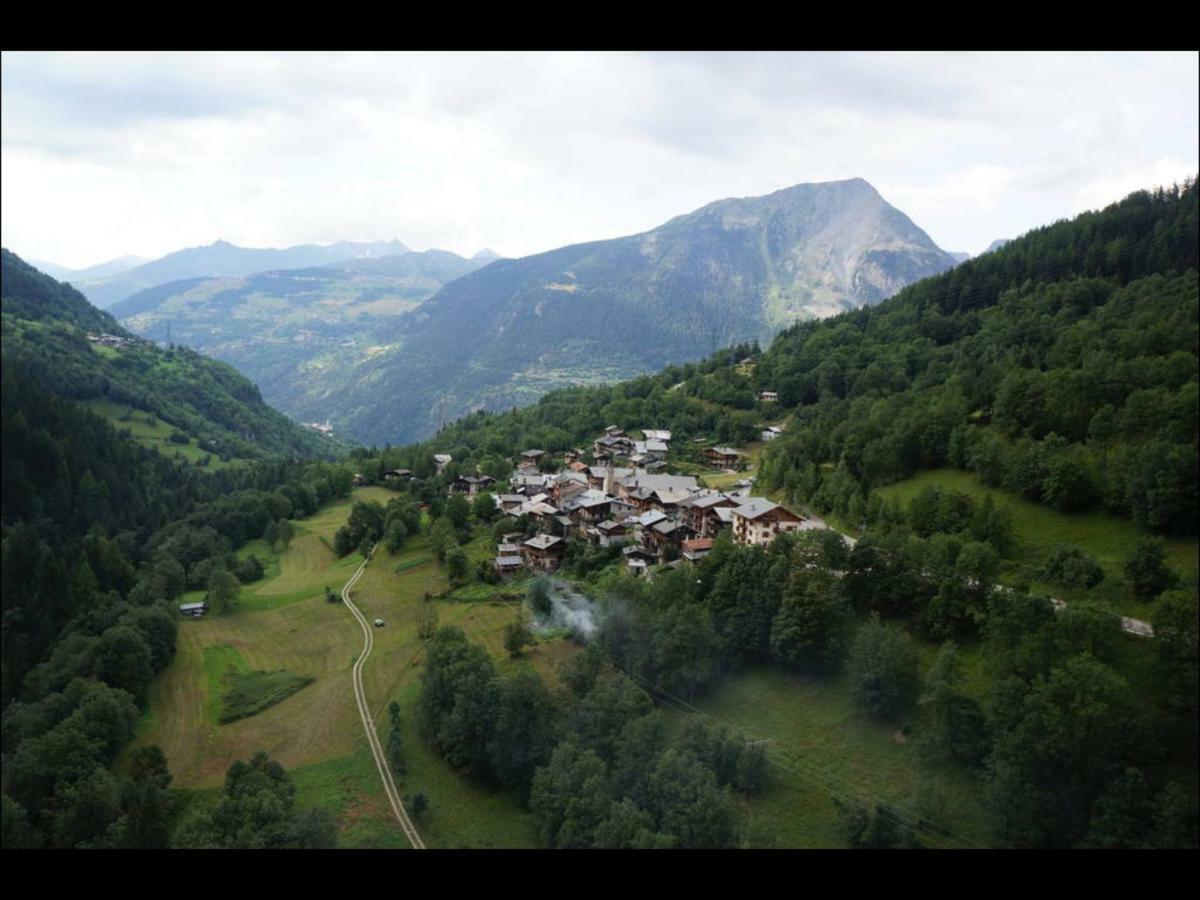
221	258
733	270
292	331
91	273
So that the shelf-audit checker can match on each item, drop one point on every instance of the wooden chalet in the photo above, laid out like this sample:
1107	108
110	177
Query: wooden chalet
397	474
722	457
758	521
544	552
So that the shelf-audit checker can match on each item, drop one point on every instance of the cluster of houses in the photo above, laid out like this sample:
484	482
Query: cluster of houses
656	517
111	340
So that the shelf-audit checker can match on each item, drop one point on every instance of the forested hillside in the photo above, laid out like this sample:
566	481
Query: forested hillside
45	329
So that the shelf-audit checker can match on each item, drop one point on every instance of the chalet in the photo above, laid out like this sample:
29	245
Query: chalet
397	474
614	431
637	560
588	508
654	435
769	434
509	502
695	550
358	480
758	521
529	484
610	532
543	552
578	466
613	445
441	460
565	485
195	610
662	534
471	484
508	564
768	397
722	457
562	525
700	512
508	548
532	456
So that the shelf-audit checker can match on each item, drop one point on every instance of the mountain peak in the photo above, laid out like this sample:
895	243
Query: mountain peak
487	253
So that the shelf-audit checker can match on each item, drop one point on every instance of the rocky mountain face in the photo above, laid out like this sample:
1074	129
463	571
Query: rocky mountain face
733	270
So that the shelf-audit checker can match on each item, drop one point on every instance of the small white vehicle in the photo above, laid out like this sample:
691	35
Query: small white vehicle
379	623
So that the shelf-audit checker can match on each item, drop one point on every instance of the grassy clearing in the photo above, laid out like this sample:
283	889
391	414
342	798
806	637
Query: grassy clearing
1039	529
822	745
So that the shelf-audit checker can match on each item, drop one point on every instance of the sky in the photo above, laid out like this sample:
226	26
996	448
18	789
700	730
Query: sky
111	154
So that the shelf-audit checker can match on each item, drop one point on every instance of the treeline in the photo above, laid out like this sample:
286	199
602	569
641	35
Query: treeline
595	763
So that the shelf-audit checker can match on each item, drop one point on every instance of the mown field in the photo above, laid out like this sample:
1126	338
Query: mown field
1039	529
283	622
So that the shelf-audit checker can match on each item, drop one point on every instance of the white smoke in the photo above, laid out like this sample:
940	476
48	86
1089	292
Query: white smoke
571	610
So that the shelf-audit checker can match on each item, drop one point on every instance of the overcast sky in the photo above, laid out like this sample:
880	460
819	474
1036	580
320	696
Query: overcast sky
109	154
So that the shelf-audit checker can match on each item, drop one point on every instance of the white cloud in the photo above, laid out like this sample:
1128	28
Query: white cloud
108	154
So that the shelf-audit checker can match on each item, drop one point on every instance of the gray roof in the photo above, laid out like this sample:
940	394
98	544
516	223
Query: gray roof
509	561
757	506
543	542
507	549
724	451
652	482
188	607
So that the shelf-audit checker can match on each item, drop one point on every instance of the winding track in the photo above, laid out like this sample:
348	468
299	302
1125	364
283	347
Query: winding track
360	696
